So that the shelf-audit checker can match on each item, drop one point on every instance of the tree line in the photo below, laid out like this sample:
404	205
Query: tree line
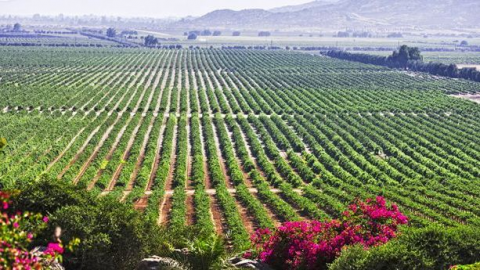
408	58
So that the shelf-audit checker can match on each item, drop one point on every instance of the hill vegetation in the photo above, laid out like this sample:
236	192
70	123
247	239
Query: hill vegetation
353	14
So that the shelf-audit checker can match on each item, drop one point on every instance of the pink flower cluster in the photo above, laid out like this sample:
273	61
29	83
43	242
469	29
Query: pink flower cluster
313	244
53	249
14	240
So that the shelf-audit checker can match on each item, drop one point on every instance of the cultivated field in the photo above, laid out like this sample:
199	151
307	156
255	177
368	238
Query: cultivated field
233	140
55	41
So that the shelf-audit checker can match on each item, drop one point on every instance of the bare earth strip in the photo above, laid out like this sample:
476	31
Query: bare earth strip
247	220
460	66
475	98
215	211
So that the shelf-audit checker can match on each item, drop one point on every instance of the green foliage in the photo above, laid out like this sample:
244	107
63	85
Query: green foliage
151	41
3	144
204	252
113	235
474	266
405	54
111	32
17	27
434	247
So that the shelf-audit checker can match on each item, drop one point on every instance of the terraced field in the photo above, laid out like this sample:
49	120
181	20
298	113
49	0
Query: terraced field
233	140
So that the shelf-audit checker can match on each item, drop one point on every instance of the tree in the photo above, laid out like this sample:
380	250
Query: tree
452	71
111	32
264	34
405	54
395	35
414	54
192	36
236	33
150	41
464	43
217	33
206	32
17	27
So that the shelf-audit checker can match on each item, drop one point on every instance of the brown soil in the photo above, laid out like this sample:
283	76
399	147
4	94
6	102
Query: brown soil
126	155
165	209
247	218
173	160
79	153
275	218
95	152
64	150
142	203
110	154
141	156
228	181
153	172
217	216
190	210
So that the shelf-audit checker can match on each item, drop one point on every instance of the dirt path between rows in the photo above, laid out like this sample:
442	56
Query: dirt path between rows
165	209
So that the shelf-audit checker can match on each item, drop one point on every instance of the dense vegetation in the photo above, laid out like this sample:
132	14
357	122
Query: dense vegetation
113	235
428	248
410	58
234	140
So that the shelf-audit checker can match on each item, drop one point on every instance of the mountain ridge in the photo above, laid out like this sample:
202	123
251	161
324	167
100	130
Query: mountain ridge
342	14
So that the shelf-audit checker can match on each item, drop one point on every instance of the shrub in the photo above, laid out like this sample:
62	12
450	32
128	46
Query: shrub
434	247
113	235
474	266
313	244
17	229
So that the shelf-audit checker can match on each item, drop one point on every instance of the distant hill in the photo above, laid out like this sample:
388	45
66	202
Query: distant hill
357	14
294	8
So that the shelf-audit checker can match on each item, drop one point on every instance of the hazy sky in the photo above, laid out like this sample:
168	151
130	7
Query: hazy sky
148	8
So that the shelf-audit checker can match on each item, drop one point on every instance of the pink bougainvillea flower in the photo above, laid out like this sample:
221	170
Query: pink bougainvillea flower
314	244
55	248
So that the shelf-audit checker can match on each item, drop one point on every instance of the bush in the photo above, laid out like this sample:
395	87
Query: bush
113	235
474	266
17	230
435	247
313	244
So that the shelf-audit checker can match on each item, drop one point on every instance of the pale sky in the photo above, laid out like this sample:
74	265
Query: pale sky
132	8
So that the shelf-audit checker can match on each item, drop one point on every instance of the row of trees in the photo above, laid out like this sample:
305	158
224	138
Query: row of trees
354	34
192	35
112	32
411	59
205	32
